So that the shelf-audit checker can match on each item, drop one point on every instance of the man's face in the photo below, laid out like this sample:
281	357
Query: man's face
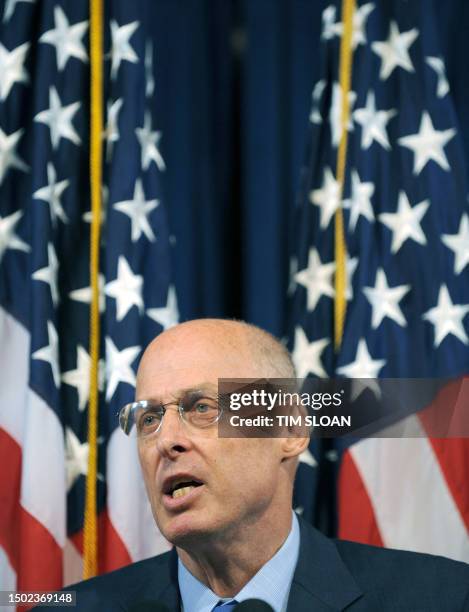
239	477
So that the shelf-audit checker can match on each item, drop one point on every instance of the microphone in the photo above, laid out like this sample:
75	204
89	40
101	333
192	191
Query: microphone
253	605
148	606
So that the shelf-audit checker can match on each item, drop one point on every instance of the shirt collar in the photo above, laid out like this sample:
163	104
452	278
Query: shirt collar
271	583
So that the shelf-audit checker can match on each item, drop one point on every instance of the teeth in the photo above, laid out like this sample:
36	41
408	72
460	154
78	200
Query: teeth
182	491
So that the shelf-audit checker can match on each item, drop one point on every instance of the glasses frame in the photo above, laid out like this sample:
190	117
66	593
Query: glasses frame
124	413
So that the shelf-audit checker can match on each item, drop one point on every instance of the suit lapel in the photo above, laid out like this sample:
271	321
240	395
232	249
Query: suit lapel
157	583
170	597
169	594
321	581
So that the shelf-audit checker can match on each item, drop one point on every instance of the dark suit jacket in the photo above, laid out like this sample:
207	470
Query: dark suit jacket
330	575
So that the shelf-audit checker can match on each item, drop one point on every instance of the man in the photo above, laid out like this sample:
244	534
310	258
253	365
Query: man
226	503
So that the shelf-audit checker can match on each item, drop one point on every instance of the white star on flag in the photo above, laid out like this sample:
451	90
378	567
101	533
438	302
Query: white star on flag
307	355
118	366
126	289
12	68
291	275
8	157
76	457
49	273
351	264
364	368
447	318
359	202
149	78
80	377
437	64
335	113
307	458
8	237
316	278
59	119
327	198
405	223
111	133
395	51
84	295
51	194
459	244
10	6
315	115
168	315
360	17
66	39
428	144
384	300
149	142
50	353
329	26
121	49
138	210
373	123
88	215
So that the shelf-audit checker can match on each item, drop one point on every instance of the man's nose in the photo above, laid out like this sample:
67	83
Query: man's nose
172	438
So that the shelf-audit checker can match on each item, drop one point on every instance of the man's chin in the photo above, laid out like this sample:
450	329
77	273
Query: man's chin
184	530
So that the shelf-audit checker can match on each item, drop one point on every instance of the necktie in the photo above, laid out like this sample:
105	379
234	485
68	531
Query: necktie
225	607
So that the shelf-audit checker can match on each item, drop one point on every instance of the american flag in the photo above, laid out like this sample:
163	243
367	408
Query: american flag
45	285
406	215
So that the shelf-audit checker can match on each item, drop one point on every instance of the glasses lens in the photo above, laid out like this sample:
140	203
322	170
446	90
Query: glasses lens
201	412
126	419
148	418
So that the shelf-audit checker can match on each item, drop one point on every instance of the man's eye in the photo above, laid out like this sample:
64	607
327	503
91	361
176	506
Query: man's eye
148	420
202	406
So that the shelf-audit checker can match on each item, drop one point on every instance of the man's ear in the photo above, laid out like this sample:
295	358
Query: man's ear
294	446
297	433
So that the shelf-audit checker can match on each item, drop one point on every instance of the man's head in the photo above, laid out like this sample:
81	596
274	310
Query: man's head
245	481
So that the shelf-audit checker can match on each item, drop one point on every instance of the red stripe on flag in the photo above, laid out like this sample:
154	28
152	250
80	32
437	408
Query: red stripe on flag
357	520
10	479
33	553
447	416
112	552
453	457
40	565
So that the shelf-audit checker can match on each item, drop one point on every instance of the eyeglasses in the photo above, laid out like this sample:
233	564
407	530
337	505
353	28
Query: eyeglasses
145	417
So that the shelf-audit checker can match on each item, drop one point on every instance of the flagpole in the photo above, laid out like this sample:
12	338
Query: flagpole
90	531
340	246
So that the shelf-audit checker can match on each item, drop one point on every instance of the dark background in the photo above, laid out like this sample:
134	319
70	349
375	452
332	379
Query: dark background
233	95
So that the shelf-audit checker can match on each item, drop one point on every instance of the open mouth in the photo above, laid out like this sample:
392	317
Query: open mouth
180	488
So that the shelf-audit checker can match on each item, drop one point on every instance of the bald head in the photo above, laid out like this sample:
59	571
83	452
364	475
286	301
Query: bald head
244	350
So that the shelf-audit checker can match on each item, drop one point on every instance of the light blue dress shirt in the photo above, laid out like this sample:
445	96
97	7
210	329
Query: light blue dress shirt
271	583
